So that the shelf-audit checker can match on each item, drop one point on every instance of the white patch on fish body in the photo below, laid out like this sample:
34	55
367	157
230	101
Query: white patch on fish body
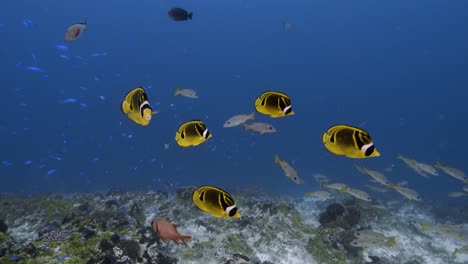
205	133
286	109
366	146
228	209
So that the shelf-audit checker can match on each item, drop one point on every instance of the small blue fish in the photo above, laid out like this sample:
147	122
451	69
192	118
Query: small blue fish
65	57
95	159
83	105
129	136
6	163
102	97
52	171
33	69
83	88
61	47
27	162
70	100
56	158
95	55
104	54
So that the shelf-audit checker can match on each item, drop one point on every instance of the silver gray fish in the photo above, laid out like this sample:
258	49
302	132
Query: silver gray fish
189	93
368	238
238	120
262	128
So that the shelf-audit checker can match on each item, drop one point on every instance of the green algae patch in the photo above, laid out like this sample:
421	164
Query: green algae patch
236	244
323	252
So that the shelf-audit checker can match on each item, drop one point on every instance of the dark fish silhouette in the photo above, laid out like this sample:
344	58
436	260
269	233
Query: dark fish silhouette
179	14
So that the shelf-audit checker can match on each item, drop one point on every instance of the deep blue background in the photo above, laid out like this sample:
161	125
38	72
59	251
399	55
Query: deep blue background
398	69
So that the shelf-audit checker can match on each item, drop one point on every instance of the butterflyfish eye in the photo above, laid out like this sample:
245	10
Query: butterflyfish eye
233	212
182	134
369	150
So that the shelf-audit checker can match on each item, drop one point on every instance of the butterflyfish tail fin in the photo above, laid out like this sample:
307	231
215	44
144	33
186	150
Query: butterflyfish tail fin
277	159
391	242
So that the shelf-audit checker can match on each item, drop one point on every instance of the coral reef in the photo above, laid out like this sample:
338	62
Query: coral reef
114	227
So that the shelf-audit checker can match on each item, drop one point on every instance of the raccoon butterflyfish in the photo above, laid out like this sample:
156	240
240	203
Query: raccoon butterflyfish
137	107
75	31
192	133
274	104
215	201
349	141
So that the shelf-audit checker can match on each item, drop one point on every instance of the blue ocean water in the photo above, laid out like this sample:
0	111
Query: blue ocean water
396	68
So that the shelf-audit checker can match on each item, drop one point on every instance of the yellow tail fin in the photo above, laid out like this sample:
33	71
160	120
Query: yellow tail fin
252	116
246	127
176	92
391	242
344	189
277	159
454	252
390	185
438	165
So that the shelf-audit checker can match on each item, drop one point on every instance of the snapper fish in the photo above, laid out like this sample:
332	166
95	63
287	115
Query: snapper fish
457	232
368	238
407	192
259	127
319	194
349	141
238	120
341	187
419	168
377	176
274	104
456	173
137	107
289	171
75	31
189	93
192	133
361	195
168	231
215	201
